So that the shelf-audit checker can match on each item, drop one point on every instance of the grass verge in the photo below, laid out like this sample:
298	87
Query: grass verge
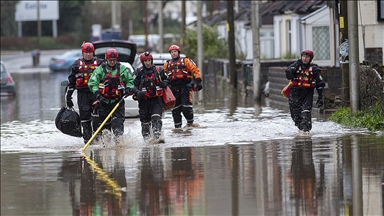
373	119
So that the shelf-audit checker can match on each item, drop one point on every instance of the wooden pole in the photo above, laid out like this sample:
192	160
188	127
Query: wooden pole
231	47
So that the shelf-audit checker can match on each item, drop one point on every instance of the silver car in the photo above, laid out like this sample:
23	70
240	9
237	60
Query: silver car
8	87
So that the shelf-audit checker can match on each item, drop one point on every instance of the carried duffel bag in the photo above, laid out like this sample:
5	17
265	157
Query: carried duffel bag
68	121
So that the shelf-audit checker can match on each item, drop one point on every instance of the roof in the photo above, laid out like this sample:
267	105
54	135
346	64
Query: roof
267	10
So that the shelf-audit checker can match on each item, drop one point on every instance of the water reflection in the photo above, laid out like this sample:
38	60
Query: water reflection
8	109
39	96
303	178
99	190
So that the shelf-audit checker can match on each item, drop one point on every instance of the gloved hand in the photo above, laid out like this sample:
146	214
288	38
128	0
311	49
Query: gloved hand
100	98
198	85
69	102
290	73
163	83
319	102
128	91
140	95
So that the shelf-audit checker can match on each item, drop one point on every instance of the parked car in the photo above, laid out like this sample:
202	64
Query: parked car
64	61
153	39
160	58
8	87
127	54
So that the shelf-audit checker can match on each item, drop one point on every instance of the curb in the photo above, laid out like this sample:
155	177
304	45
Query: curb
18	52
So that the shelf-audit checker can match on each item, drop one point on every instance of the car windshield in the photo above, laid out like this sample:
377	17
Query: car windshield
120	50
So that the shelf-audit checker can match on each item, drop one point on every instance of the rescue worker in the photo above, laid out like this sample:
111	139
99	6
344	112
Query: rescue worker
78	78
305	77
182	72
110	82
150	81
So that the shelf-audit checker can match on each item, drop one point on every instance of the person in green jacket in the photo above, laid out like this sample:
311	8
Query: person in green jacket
110	82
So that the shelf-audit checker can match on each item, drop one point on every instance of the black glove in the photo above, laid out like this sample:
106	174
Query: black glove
290	73
198	85
319	102
128	91
163	83
69	102
100	98
140	95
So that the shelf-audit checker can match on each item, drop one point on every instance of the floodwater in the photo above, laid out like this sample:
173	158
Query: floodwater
243	160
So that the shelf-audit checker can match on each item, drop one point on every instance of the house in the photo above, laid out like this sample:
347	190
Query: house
288	27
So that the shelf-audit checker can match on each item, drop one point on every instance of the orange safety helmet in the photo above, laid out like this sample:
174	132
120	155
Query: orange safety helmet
87	47
111	53
309	53
146	56
174	47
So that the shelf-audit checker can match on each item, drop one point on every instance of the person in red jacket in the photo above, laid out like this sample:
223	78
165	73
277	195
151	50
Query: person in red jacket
182	72
305	77
81	71
150	81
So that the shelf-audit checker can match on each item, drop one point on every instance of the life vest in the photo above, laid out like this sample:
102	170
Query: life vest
84	73
304	78
149	84
177	70
111	87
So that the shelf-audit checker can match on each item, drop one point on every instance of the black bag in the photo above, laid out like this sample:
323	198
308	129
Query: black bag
68	122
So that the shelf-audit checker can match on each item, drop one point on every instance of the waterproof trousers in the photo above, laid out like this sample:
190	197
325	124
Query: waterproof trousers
300	106
116	121
150	113
184	105
84	101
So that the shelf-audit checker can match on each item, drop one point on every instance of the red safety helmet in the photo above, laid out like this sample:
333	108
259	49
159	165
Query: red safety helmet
146	56
309	53
174	47
111	53
87	47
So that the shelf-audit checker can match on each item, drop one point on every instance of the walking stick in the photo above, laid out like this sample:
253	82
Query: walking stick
103	123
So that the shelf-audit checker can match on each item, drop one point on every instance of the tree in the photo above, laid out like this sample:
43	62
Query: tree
213	46
8	25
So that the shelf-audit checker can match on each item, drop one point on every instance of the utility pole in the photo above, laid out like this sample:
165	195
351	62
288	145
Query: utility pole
38	24
255	22
183	23
161	27
344	46
146	23
354	78
200	55
231	48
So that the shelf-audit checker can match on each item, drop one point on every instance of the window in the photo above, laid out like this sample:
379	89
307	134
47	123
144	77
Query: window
380	7
289	36
321	44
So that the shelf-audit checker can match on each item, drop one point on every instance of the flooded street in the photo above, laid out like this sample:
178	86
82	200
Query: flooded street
243	160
